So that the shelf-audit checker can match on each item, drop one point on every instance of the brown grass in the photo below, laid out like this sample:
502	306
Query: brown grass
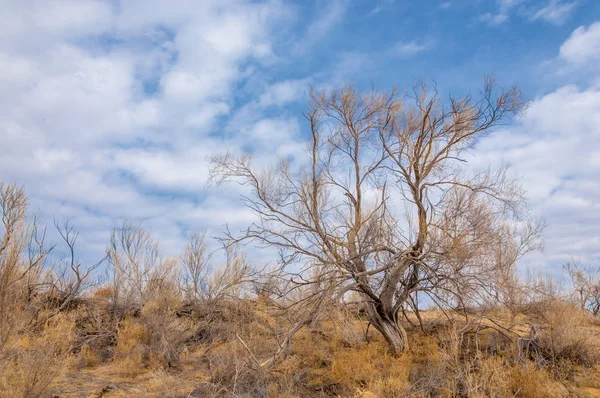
163	351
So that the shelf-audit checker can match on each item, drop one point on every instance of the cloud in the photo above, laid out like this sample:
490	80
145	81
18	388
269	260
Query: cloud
381	6
348	65
583	46
552	11
409	48
505	7
30	25
108	110
493	19
284	92
376	10
325	21
555	12
554	148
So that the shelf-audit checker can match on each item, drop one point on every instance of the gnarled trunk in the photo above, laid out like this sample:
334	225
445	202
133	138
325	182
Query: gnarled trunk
386	322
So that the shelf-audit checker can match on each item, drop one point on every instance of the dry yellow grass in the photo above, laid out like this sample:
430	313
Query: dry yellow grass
325	360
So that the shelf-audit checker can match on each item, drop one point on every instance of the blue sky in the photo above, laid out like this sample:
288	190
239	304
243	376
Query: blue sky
109	109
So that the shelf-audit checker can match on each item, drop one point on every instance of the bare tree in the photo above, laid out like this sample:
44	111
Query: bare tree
385	205
195	261
23	253
136	266
13	207
69	277
202	280
586	285
229	280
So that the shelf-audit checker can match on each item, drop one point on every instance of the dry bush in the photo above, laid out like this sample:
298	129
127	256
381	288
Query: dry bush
322	363
155	339
230	374
87	357
586	285
97	329
588	378
488	376
166	336
159	384
136	269
35	340
33	361
131	353
461	372
562	340
22	258
28	372
527	381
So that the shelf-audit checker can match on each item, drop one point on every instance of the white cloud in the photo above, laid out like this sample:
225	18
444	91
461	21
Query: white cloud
583	45
277	136
72	17
29	25
80	130
185	86
327	18
284	92
498	19
408	48
552	11
376	10
493	19
554	149
505	5
555	12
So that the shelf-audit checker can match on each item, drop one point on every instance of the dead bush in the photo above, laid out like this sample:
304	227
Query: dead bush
166	335
154	339
28	372
131	353
231	375
562	339
33	361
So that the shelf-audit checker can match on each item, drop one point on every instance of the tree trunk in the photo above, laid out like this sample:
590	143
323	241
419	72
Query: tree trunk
387	324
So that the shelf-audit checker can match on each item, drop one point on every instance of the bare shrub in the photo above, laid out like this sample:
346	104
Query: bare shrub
561	338
22	257
230	374
586	285
136	268
34	361
131	354
202	280
28	372
481	375
155	339
166	336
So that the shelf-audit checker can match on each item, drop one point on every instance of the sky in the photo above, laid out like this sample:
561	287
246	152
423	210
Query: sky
109	109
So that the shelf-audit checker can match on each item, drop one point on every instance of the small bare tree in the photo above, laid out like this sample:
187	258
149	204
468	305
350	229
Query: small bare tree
385	206
13	207
68	278
23	253
586	285
195	261
136	267
202	280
